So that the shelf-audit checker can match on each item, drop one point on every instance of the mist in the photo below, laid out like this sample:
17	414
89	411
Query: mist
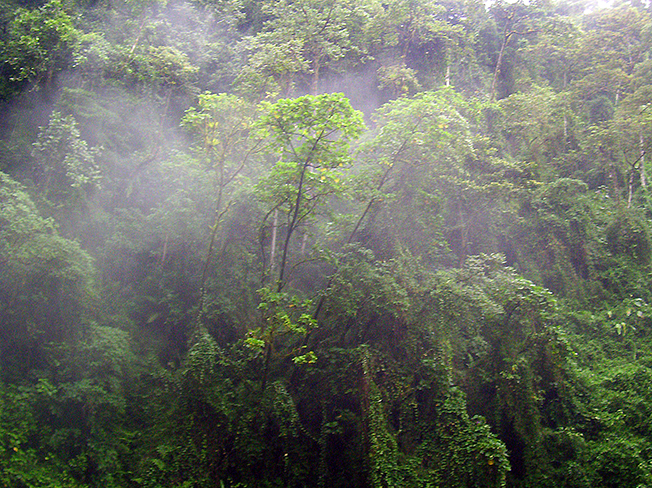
256	244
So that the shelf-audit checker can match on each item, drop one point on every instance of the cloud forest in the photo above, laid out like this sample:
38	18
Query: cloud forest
309	243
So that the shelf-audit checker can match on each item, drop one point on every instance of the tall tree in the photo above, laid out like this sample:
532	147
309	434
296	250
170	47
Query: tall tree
66	170
299	42
409	37
514	20
311	135
222	125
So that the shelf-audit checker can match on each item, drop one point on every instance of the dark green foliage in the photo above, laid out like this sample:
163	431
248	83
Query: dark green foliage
197	290
627	235
600	110
46	283
558	240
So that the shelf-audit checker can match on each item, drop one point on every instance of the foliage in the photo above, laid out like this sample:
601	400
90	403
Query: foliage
311	135
66	171
46	283
300	40
41	43
216	271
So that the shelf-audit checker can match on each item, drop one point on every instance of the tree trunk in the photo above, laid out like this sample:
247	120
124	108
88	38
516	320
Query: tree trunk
272	251
499	63
642	161
291	227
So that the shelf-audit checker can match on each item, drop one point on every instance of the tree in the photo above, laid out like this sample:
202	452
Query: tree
66	170
46	284
418	141
222	125
408	36
608	56
554	54
311	135
516	20
436	181
301	39
535	124
630	131
42	42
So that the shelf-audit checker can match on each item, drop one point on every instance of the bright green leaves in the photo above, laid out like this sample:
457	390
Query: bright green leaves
536	123
429	128
254	343
629	315
41	43
285	312
554	54
222	128
19	219
201	363
29	240
271	68
300	40
307	358
221	125
614	43
286	319
67	170
420	147
311	135
168	67
313	129
418	35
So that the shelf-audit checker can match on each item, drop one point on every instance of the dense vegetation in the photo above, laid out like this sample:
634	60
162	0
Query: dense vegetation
321	243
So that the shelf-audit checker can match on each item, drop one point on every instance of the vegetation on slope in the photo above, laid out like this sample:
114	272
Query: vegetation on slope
307	243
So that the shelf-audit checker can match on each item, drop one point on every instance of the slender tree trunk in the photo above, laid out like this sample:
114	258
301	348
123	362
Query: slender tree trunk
565	116
272	251
219	214
304	240
366	211
305	167
291	226
447	79
165	249
314	85
268	357
499	63
642	161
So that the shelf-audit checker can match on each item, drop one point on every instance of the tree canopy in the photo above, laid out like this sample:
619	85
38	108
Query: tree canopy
301	243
